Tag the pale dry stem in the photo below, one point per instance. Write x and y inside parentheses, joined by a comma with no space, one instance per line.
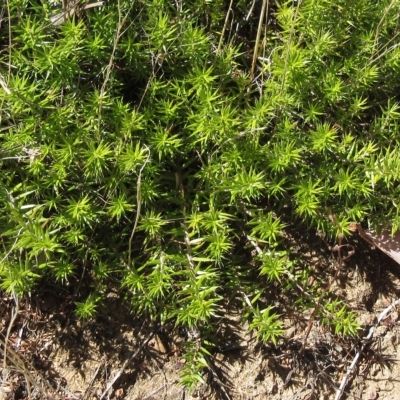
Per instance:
(127,361)
(263,14)
(19,365)
(367,340)
(230,11)
(138,207)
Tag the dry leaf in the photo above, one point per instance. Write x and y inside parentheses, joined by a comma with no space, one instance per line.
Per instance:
(384,240)
(157,344)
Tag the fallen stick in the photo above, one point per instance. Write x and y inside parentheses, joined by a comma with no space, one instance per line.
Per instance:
(382,315)
(119,373)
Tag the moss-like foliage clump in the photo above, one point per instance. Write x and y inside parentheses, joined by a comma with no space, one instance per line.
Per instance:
(150,146)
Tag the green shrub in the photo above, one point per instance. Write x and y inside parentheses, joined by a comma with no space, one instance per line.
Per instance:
(136,147)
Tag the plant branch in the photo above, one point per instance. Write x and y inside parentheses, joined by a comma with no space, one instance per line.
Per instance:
(224,27)
(119,373)
(138,207)
(264,12)
(367,339)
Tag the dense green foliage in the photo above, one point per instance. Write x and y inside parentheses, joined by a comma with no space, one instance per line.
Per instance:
(139,152)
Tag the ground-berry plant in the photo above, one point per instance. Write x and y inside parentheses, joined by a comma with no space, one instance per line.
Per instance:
(154,147)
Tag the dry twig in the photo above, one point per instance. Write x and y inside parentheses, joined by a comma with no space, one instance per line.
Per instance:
(224,27)
(16,360)
(264,13)
(119,373)
(382,315)
(138,206)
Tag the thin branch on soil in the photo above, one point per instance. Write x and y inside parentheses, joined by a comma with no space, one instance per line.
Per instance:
(17,361)
(164,386)
(86,394)
(59,387)
(216,378)
(119,373)
(10,325)
(150,396)
(309,384)
(6,356)
(382,315)
(183,393)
